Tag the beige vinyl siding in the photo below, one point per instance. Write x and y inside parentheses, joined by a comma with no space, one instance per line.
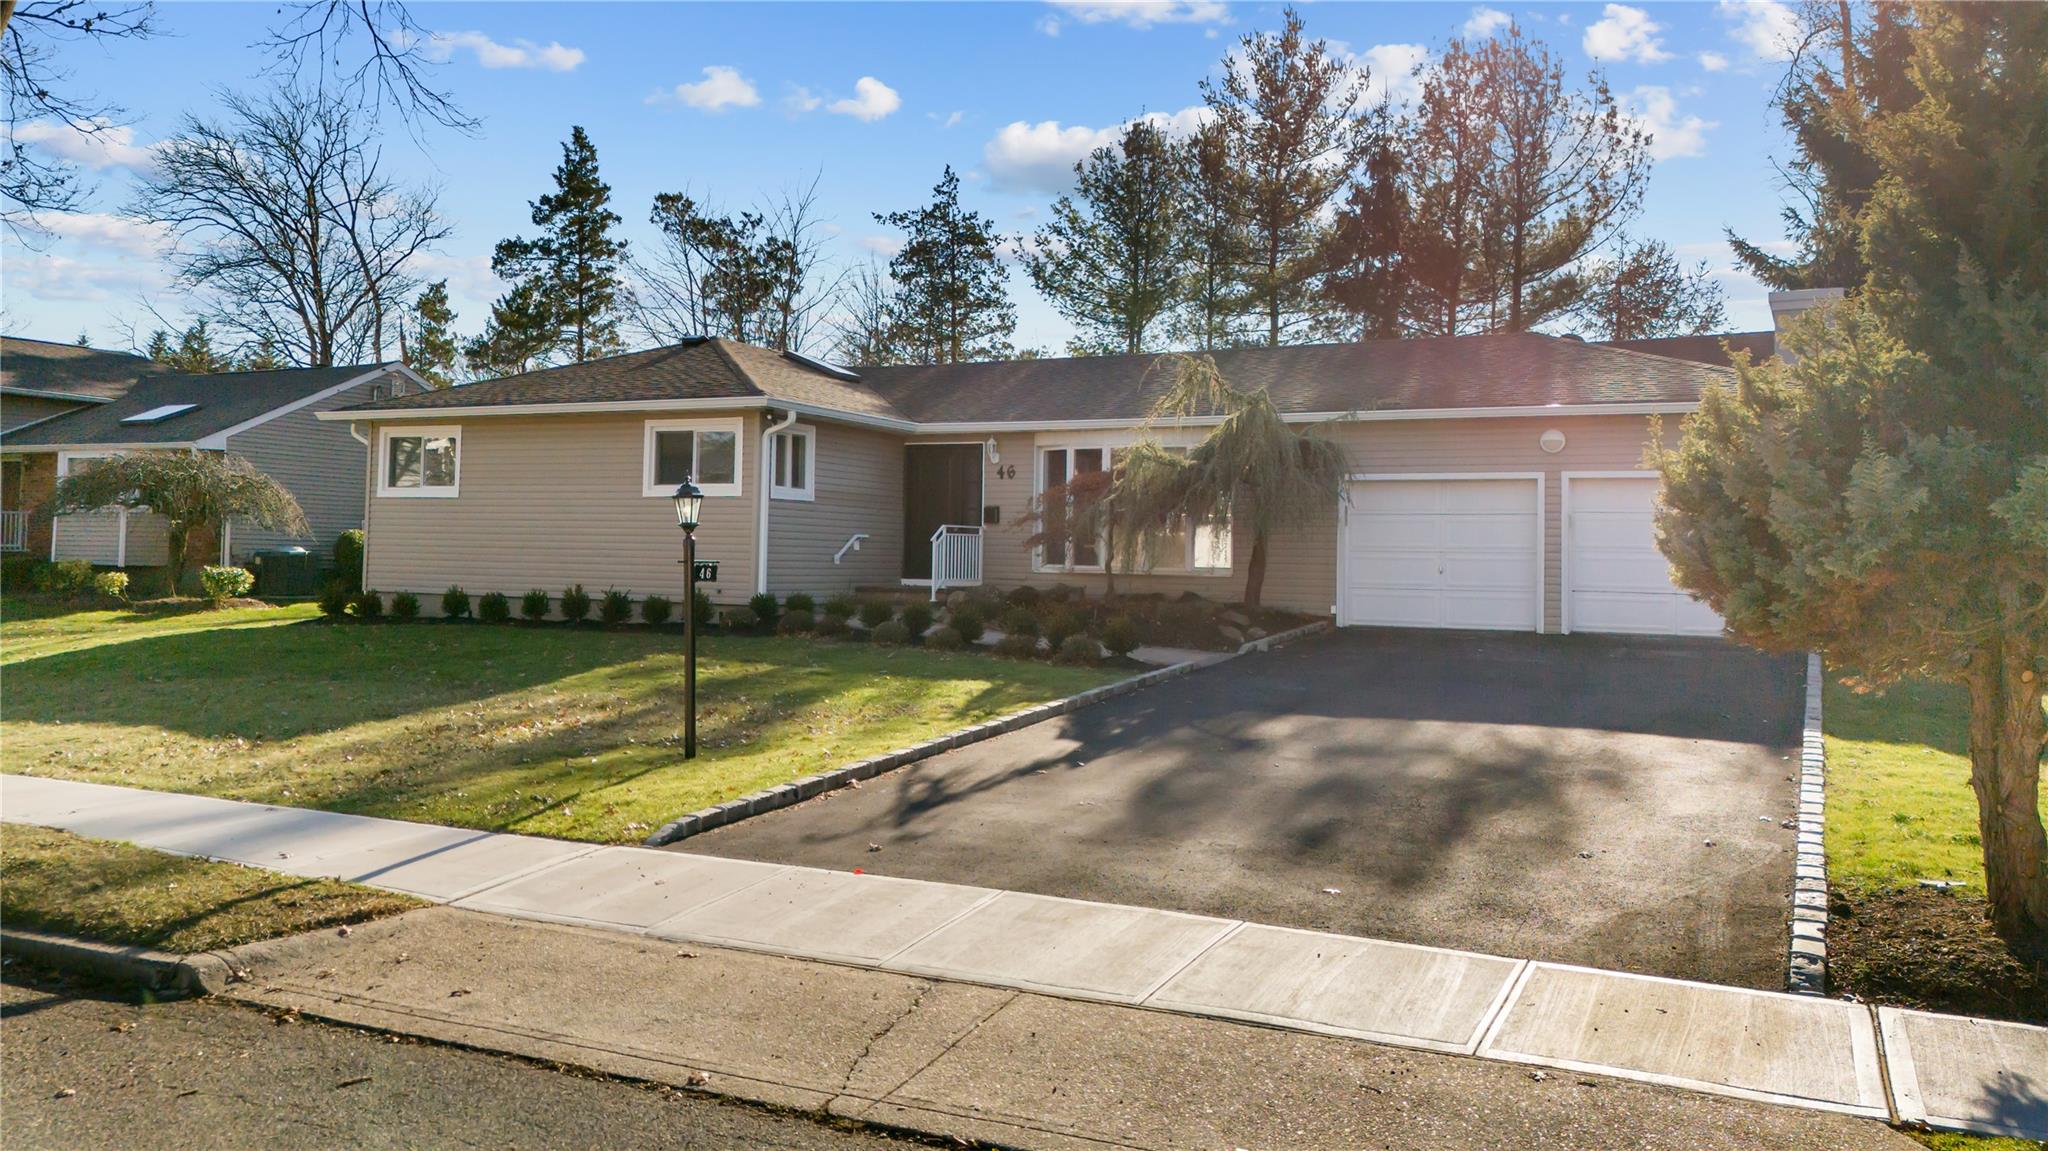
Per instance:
(321,464)
(858,487)
(549,501)
(18,410)
(96,538)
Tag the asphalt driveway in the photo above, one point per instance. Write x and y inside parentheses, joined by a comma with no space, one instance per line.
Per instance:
(1606,801)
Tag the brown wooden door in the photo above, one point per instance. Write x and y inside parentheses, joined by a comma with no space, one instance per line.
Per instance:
(941,485)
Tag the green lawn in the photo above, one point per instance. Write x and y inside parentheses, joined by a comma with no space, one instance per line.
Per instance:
(572,732)
(121,894)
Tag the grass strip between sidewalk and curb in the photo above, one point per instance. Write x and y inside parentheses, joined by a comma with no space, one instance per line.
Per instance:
(116,893)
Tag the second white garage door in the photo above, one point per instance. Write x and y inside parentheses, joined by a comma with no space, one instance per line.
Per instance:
(1452,553)
(1615,578)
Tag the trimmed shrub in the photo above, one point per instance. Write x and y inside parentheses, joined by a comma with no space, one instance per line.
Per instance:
(1024,596)
(876,612)
(65,577)
(917,617)
(334,598)
(655,610)
(348,557)
(1059,624)
(832,626)
(703,610)
(1078,649)
(796,622)
(842,606)
(740,618)
(1017,646)
(455,603)
(616,607)
(113,585)
(575,603)
(945,639)
(221,583)
(494,608)
(405,605)
(1120,636)
(535,603)
(799,601)
(18,571)
(892,633)
(1020,620)
(765,609)
(369,604)
(967,622)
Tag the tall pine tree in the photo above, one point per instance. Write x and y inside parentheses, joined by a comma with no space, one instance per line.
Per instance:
(427,341)
(950,304)
(1209,313)
(1364,278)
(570,271)
(1112,264)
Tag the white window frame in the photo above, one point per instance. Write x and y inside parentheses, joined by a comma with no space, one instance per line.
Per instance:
(1184,566)
(423,492)
(736,425)
(781,491)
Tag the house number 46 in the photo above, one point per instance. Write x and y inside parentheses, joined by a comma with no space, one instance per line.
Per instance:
(1006,471)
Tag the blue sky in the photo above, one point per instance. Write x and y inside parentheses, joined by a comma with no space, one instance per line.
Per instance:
(733,101)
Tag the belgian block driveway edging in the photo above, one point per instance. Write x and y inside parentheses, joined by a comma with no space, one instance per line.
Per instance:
(1806,958)
(811,786)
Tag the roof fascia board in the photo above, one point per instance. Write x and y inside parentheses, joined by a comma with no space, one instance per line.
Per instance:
(219,440)
(164,445)
(725,403)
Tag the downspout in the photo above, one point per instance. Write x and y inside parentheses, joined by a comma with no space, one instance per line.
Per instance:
(369,482)
(767,485)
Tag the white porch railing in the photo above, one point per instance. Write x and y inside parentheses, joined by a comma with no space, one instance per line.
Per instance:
(13,531)
(956,557)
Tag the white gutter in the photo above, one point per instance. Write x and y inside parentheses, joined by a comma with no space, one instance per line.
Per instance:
(369,485)
(714,404)
(767,486)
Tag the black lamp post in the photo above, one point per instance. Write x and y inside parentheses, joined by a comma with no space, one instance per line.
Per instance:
(689,502)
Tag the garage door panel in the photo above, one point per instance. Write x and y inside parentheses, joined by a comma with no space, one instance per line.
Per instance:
(1399,569)
(1479,609)
(1441,553)
(1394,607)
(1398,531)
(1505,571)
(1618,580)
(1465,496)
(1488,531)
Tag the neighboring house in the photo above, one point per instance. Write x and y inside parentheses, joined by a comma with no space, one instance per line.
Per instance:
(1713,349)
(1498,481)
(266,417)
(39,381)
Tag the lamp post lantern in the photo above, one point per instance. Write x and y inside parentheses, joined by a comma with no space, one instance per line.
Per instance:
(689,502)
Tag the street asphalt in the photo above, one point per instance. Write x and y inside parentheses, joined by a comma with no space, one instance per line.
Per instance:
(1607,801)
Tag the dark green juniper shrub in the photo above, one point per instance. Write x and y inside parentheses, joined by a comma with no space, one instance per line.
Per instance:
(455,603)
(535,603)
(575,603)
(405,605)
(968,623)
(493,607)
(876,612)
(655,610)
(616,607)
(917,617)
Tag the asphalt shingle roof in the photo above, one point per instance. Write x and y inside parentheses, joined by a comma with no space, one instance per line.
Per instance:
(220,401)
(1714,349)
(67,369)
(1511,370)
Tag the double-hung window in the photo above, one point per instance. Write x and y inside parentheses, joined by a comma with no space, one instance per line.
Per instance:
(420,462)
(706,452)
(795,463)
(1057,467)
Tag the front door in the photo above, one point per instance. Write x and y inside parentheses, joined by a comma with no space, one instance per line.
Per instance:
(941,485)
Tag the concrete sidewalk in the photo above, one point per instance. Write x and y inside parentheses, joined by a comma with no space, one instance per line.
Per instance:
(1802,1051)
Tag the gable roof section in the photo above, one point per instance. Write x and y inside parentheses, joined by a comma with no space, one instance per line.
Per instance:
(1467,373)
(67,371)
(1710,349)
(219,402)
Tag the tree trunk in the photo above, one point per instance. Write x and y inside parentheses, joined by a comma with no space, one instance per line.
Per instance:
(2007,734)
(175,535)
(1255,572)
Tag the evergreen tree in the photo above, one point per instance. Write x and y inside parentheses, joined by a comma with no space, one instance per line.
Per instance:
(518,337)
(570,272)
(1208,318)
(84,339)
(950,305)
(1643,290)
(193,352)
(1448,146)
(159,347)
(431,349)
(1113,263)
(1364,277)
(262,358)
(1287,108)
(1884,498)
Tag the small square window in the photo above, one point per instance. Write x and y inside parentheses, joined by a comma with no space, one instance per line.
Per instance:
(705,452)
(420,462)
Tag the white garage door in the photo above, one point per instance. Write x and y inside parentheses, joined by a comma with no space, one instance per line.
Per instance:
(1441,553)
(1615,578)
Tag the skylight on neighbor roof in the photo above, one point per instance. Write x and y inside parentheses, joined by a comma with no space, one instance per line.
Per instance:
(158,414)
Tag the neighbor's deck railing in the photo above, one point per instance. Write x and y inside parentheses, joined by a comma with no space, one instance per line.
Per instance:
(956,557)
(13,531)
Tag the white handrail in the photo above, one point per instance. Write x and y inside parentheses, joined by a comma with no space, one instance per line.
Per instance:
(13,531)
(956,557)
(852,544)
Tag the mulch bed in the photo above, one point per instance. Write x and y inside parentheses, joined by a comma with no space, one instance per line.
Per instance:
(1930,949)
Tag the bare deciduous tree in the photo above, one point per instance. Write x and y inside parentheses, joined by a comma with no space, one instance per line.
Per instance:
(759,276)
(371,51)
(34,180)
(286,228)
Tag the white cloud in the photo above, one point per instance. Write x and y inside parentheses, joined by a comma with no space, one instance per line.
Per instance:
(94,257)
(107,145)
(803,100)
(106,230)
(883,246)
(949,120)
(551,57)
(1484,22)
(1624,33)
(1769,28)
(721,88)
(871,101)
(1713,61)
(1041,157)
(1393,70)
(1655,110)
(1138,13)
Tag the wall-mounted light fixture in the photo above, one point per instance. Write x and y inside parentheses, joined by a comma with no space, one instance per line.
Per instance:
(1551,441)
